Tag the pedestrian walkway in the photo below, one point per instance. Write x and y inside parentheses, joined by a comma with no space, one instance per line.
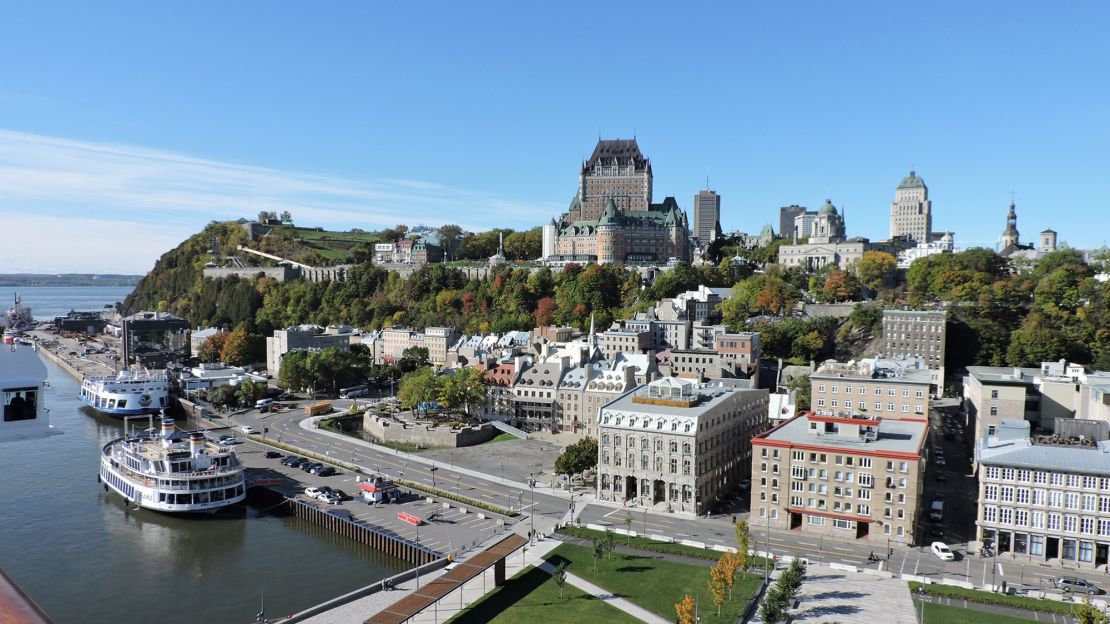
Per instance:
(834,595)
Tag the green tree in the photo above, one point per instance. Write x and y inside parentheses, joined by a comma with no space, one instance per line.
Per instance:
(801,388)
(419,386)
(560,576)
(413,358)
(1086,613)
(876,269)
(462,389)
(249,391)
(294,374)
(577,457)
(599,551)
(773,608)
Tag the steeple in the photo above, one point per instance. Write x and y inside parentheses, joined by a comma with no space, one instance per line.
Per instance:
(1010,235)
(593,337)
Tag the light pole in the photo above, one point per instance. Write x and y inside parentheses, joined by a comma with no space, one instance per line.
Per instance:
(433,470)
(502,464)
(532,508)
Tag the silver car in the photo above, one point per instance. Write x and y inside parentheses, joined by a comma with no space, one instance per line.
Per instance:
(1077,585)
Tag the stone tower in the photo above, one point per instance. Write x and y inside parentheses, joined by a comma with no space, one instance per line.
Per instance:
(911,214)
(1010,234)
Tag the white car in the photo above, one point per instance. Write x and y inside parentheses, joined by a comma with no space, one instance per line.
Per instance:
(943,552)
(312,492)
(247,429)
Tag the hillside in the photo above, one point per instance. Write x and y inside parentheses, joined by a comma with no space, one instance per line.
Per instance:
(317,247)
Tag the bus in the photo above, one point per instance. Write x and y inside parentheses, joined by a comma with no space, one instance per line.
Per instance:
(316,409)
(354,392)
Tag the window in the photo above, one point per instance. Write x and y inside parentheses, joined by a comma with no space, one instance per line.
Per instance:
(994,394)
(674,466)
(994,410)
(990,513)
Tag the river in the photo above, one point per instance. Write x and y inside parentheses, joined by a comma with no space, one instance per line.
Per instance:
(84,556)
(47,302)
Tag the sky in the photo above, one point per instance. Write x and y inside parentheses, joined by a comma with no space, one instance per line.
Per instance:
(127,126)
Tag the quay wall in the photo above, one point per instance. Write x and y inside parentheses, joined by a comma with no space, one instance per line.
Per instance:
(61,362)
(365,534)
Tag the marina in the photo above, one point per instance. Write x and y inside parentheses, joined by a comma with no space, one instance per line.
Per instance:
(105,544)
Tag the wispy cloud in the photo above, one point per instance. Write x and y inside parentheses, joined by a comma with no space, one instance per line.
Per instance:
(77,193)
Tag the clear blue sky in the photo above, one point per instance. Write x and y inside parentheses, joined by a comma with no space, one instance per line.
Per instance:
(126,126)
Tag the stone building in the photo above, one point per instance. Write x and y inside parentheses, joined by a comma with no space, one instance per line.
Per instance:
(651,236)
(617,171)
(707,213)
(677,445)
(826,244)
(391,343)
(917,333)
(841,477)
(911,213)
(787,214)
(1045,500)
(891,388)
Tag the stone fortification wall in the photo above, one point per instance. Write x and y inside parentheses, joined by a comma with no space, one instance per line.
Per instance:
(390,430)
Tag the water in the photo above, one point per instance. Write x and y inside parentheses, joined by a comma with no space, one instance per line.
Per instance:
(47,302)
(83,556)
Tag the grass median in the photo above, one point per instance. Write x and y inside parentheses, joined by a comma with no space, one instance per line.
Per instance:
(656,584)
(990,598)
(945,614)
(650,545)
(533,596)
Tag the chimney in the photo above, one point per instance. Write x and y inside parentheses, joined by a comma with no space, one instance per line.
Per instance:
(196,444)
(167,431)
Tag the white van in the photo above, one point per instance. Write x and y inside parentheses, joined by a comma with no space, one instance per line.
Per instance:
(263,403)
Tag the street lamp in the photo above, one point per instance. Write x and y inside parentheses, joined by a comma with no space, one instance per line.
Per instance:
(502,464)
(433,470)
(532,509)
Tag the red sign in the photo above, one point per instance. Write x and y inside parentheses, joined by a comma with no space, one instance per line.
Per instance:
(411,519)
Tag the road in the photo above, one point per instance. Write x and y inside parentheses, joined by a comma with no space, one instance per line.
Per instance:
(543,507)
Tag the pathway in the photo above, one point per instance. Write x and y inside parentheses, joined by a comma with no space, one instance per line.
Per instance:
(834,595)
(635,611)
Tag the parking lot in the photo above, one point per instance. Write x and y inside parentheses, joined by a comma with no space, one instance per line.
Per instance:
(443,530)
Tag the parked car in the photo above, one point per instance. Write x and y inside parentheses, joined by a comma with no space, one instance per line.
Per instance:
(298,462)
(312,492)
(310,465)
(272,454)
(942,476)
(341,494)
(331,499)
(1077,585)
(942,551)
(325,471)
(949,436)
(940,460)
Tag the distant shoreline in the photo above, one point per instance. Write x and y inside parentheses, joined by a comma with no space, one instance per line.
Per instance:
(30,280)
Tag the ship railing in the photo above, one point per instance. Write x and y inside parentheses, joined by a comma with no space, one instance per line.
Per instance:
(151,479)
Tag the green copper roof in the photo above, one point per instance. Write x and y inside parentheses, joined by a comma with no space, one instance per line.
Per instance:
(912,181)
(767,230)
(828,208)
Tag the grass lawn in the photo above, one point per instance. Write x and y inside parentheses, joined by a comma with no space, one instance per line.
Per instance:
(985,597)
(655,583)
(944,614)
(533,596)
(644,543)
(502,437)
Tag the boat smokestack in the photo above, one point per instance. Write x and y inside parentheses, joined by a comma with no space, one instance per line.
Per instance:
(196,444)
(167,431)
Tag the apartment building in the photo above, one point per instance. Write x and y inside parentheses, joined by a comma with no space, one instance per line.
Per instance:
(743,349)
(306,337)
(917,333)
(677,445)
(841,477)
(393,341)
(623,340)
(1046,499)
(878,387)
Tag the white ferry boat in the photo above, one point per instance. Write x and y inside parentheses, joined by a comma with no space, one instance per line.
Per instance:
(23,415)
(128,393)
(173,472)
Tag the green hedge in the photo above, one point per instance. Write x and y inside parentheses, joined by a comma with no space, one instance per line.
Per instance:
(1002,600)
(458,499)
(650,545)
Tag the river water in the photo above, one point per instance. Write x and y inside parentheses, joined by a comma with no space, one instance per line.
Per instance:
(84,556)
(47,302)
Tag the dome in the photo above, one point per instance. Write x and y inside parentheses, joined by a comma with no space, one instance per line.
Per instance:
(828,208)
(912,181)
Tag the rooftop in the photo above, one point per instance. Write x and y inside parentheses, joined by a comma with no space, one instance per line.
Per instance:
(672,396)
(907,370)
(1093,459)
(883,435)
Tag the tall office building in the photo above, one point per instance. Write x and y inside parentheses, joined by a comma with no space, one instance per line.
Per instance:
(911,214)
(707,212)
(787,214)
(616,170)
